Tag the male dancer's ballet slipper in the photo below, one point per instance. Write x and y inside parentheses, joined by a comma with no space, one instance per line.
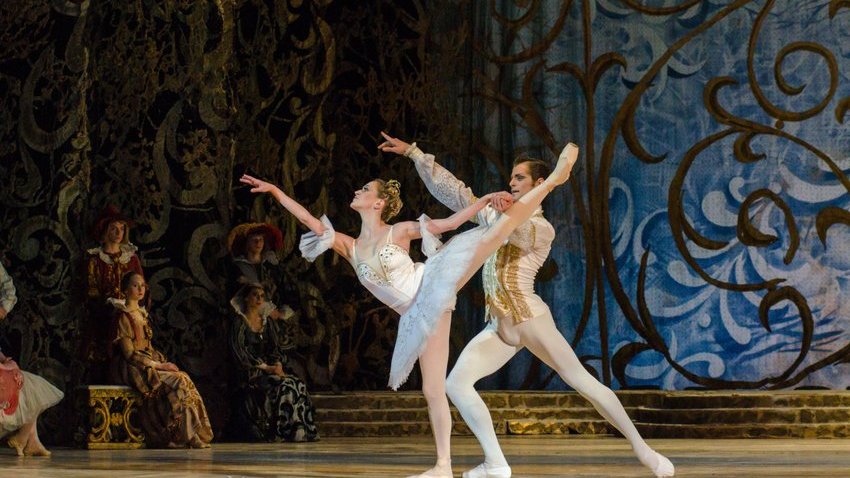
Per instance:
(664,468)
(17,445)
(485,471)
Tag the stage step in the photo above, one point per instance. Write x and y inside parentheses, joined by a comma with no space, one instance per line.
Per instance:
(696,416)
(493,399)
(657,414)
(421,414)
(750,430)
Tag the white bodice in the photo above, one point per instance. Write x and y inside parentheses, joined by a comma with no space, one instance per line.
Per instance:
(391,275)
(420,293)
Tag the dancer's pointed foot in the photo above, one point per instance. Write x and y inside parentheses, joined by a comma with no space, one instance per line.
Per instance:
(488,471)
(196,442)
(564,167)
(439,471)
(15,443)
(658,463)
(663,467)
(36,450)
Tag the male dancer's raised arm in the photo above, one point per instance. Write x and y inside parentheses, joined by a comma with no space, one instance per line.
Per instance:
(441,183)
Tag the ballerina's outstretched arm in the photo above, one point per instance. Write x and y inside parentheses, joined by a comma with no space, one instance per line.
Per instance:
(342,242)
(412,229)
(439,226)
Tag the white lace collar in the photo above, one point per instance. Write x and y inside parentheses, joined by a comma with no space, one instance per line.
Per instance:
(121,305)
(239,307)
(127,252)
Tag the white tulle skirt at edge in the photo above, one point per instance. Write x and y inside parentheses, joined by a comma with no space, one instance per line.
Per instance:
(36,396)
(444,272)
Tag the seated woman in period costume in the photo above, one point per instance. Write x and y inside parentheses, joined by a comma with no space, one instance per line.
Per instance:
(23,396)
(172,412)
(273,404)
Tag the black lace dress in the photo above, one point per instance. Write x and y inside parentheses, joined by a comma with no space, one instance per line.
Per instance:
(268,407)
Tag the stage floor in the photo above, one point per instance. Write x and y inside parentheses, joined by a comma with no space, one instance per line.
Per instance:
(530,456)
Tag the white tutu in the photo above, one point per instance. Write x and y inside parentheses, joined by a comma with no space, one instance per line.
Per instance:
(36,396)
(420,302)
(445,273)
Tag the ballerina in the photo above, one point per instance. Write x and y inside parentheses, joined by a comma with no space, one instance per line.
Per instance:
(23,395)
(424,294)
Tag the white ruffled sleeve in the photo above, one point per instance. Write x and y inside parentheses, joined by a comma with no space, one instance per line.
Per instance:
(430,243)
(313,245)
(442,184)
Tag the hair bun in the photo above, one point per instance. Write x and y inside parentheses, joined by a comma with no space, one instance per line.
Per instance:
(391,193)
(394,185)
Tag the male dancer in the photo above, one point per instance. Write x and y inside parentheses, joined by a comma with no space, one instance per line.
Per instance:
(517,317)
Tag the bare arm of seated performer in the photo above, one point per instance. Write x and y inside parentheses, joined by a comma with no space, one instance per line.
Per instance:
(276,369)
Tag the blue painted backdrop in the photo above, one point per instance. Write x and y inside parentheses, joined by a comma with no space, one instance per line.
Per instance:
(704,242)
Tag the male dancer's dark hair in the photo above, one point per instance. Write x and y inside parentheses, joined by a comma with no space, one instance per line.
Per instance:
(537,167)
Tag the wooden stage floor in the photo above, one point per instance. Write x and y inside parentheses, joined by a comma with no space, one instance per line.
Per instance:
(530,456)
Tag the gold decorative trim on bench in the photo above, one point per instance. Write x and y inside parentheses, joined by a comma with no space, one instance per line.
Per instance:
(109,417)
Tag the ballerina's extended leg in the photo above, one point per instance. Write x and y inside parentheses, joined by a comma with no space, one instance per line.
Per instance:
(522,209)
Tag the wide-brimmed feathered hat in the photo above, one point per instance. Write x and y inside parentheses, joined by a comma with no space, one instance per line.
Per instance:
(109,215)
(239,234)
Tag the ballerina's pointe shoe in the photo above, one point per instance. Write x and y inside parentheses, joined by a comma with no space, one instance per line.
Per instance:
(664,468)
(564,167)
(37,450)
(436,472)
(196,442)
(486,471)
(16,445)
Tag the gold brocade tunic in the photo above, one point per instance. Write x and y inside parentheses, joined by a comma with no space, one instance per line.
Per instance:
(509,273)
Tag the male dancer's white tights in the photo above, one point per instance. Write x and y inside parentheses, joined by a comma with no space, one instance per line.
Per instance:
(487,353)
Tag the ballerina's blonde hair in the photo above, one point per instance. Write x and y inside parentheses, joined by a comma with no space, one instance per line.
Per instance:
(390,192)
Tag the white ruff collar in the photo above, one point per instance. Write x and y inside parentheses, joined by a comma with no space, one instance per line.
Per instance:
(121,305)
(127,253)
